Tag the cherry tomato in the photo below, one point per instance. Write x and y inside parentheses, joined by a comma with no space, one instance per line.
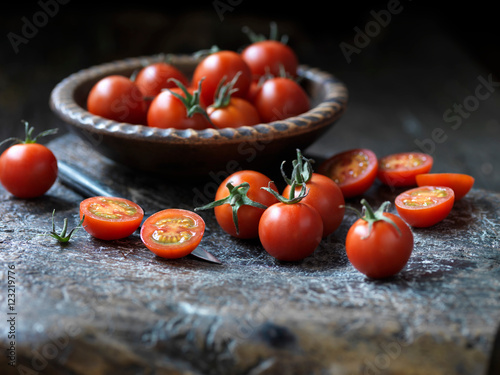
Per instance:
(379,244)
(170,111)
(213,68)
(172,233)
(426,205)
(326,197)
(28,169)
(270,57)
(117,98)
(459,182)
(245,197)
(110,218)
(400,169)
(290,231)
(152,79)
(354,171)
(280,98)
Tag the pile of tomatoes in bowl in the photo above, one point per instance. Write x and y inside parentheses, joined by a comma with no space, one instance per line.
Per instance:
(227,89)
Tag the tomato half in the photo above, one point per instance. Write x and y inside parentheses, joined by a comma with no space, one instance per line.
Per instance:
(426,205)
(172,233)
(354,171)
(110,218)
(326,197)
(382,249)
(290,232)
(401,169)
(459,182)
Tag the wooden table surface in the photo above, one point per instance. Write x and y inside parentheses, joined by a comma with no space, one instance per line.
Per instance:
(96,307)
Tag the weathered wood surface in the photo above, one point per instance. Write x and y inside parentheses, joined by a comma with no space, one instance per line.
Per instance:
(97,307)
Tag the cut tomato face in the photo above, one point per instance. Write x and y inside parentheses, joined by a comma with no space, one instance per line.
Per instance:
(110,218)
(460,183)
(426,205)
(354,171)
(172,233)
(400,169)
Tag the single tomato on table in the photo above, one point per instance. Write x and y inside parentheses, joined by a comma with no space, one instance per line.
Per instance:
(379,244)
(28,169)
(110,218)
(354,171)
(401,169)
(118,98)
(290,230)
(240,202)
(460,183)
(426,205)
(323,193)
(173,233)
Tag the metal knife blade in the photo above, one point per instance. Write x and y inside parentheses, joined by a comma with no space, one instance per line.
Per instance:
(80,182)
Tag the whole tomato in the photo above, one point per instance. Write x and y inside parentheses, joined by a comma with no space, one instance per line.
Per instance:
(280,98)
(379,244)
(118,98)
(290,230)
(155,77)
(218,65)
(28,169)
(240,202)
(322,193)
(179,108)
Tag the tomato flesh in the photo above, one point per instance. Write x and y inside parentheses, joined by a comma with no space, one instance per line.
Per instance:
(354,171)
(110,218)
(425,206)
(459,182)
(172,233)
(401,169)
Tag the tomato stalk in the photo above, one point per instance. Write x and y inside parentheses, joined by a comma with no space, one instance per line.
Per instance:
(273,34)
(293,199)
(62,237)
(370,216)
(29,135)
(236,199)
(302,170)
(224,91)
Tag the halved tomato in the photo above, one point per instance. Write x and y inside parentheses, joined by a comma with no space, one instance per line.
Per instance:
(110,218)
(173,233)
(354,171)
(400,169)
(426,205)
(459,182)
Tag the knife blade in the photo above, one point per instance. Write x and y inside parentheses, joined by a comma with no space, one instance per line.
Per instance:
(80,182)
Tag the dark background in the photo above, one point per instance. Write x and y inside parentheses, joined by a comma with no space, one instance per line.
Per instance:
(426,59)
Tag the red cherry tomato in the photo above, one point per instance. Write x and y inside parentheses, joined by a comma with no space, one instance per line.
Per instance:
(280,98)
(152,79)
(377,247)
(28,169)
(216,66)
(290,232)
(110,218)
(234,113)
(459,182)
(168,111)
(172,233)
(354,171)
(117,98)
(270,57)
(326,197)
(426,205)
(248,215)
(400,169)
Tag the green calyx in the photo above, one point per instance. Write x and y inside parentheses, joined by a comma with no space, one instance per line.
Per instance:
(225,91)
(293,199)
(370,216)
(302,170)
(238,197)
(63,237)
(273,34)
(29,138)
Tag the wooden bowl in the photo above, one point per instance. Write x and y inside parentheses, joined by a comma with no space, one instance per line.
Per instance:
(173,152)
